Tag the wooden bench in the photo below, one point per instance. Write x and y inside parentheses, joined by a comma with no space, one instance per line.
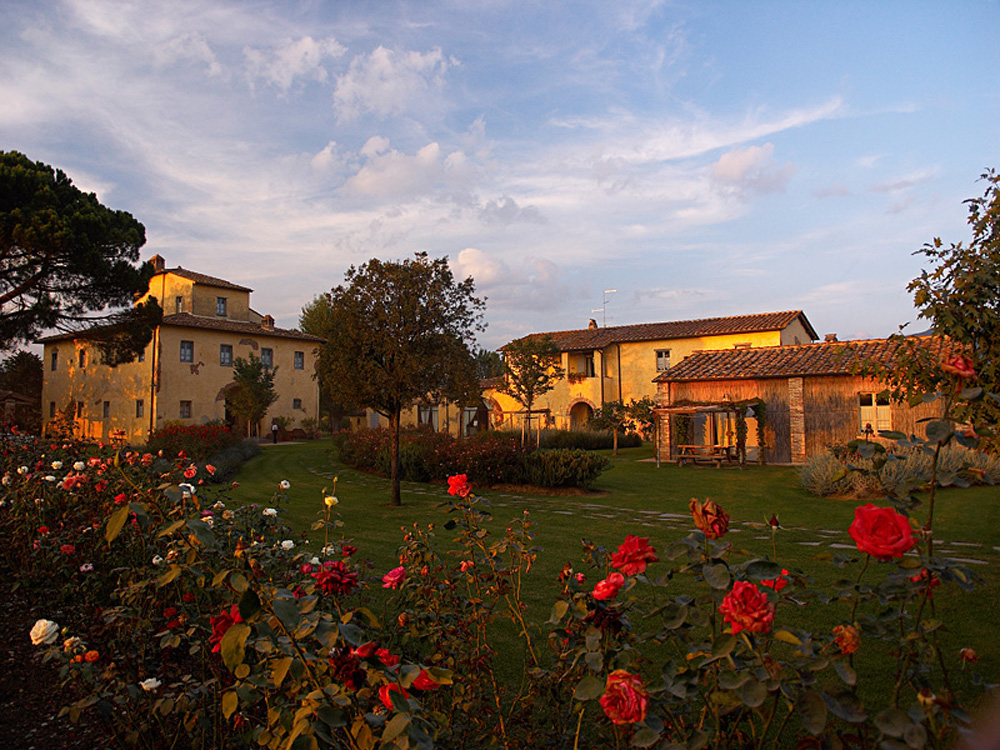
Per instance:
(705,454)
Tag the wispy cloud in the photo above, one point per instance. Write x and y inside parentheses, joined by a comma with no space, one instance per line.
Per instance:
(386,82)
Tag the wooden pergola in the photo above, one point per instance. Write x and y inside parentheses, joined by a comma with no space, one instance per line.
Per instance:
(718,448)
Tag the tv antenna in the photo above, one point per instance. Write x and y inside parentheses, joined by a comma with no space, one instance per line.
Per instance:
(603,309)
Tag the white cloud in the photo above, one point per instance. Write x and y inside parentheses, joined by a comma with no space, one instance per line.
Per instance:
(294,58)
(387,82)
(506,211)
(752,171)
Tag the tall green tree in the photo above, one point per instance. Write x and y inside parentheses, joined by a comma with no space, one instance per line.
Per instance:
(254,391)
(22,374)
(316,318)
(401,333)
(68,262)
(532,367)
(489,364)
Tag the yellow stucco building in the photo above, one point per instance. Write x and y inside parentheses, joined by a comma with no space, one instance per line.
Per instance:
(185,372)
(618,363)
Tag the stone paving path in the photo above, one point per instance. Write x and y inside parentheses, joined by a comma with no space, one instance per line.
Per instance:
(830,538)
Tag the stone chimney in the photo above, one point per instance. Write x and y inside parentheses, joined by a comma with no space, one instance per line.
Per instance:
(592,325)
(267,322)
(159,264)
(830,338)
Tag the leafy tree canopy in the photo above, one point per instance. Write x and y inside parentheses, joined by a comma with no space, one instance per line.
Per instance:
(398,335)
(254,392)
(489,364)
(531,369)
(22,373)
(316,318)
(67,261)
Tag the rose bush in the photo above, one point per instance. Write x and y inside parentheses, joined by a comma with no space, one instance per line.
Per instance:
(198,626)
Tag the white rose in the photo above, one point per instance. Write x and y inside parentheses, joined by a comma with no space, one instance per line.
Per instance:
(151,684)
(22,470)
(330,501)
(79,466)
(44,631)
(270,512)
(315,560)
(288,544)
(6,479)
(285,484)
(219,505)
(186,489)
(50,478)
(157,559)
(210,521)
(57,465)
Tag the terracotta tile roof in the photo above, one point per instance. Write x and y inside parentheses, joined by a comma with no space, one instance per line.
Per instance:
(597,338)
(187,320)
(833,358)
(201,278)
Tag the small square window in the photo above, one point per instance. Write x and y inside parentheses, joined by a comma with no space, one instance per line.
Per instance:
(187,351)
(226,355)
(267,357)
(296,403)
(185,410)
(299,361)
(54,359)
(220,306)
(82,358)
(140,408)
(179,305)
(141,357)
(106,409)
(52,409)
(662,360)
(79,408)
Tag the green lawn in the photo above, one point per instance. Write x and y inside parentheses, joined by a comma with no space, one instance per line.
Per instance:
(636,497)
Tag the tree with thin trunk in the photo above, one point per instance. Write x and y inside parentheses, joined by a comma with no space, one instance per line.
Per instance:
(531,369)
(399,334)
(254,391)
(613,417)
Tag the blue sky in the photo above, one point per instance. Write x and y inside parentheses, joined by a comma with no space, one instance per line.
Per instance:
(702,158)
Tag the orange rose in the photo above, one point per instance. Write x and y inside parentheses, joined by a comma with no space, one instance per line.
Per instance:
(712,520)
(625,698)
(633,555)
(746,607)
(91,657)
(848,639)
(881,532)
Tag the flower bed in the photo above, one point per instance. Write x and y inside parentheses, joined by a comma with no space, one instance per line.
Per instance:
(201,618)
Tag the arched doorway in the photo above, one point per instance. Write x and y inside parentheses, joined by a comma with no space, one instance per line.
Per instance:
(579,415)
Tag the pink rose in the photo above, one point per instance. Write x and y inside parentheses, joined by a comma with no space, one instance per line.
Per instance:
(394,578)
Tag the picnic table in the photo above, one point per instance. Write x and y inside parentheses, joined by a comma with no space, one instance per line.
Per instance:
(706,454)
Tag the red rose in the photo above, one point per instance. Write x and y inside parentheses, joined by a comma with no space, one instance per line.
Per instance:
(424,682)
(746,607)
(712,520)
(188,597)
(459,485)
(120,498)
(335,578)
(221,623)
(388,659)
(625,698)
(776,583)
(68,549)
(881,532)
(365,650)
(633,555)
(930,580)
(609,587)
(384,694)
(968,655)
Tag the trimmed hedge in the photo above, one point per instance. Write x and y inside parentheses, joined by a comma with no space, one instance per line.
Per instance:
(198,442)
(490,458)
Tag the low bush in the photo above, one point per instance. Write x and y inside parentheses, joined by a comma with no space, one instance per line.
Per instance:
(227,461)
(197,442)
(488,459)
(563,467)
(843,473)
(587,440)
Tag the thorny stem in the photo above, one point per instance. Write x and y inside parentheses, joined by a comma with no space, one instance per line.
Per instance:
(857,587)
(579,726)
